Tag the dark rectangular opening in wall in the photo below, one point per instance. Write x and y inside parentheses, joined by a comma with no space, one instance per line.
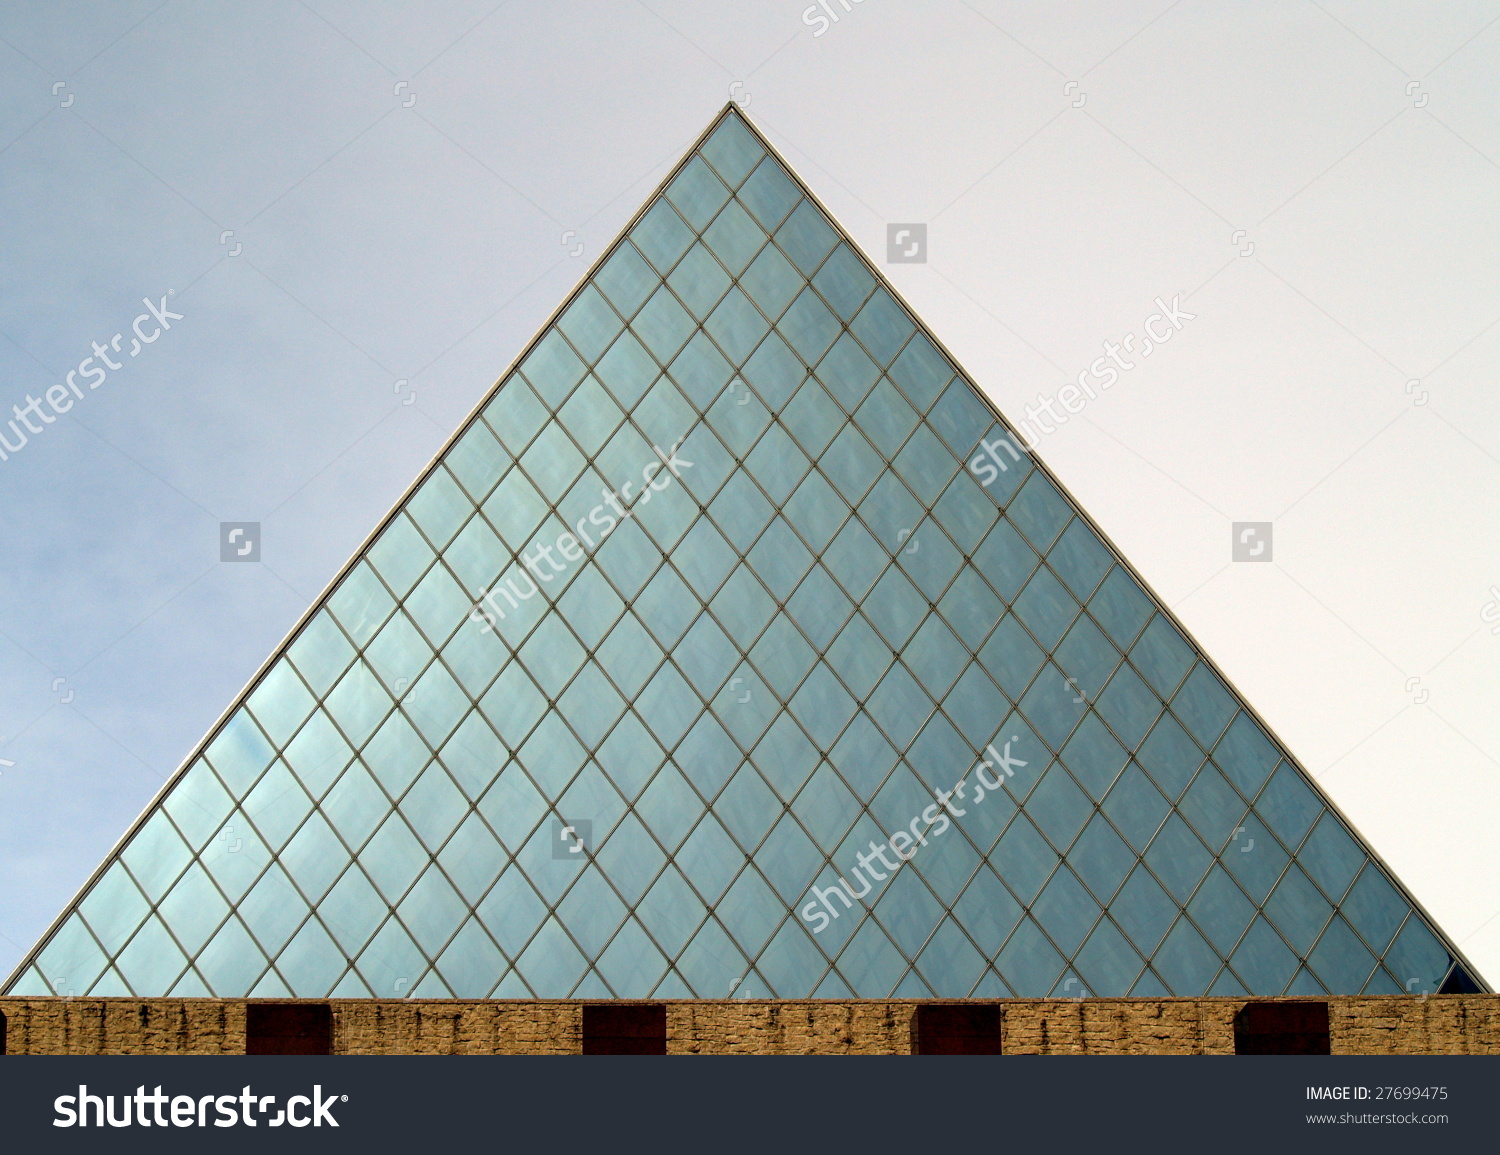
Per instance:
(624,1029)
(2,1032)
(1281,1029)
(288,1029)
(956,1029)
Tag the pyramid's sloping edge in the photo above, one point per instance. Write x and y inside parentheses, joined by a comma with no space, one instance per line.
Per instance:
(730,110)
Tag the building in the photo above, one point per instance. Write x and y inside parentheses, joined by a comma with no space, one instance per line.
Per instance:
(736,648)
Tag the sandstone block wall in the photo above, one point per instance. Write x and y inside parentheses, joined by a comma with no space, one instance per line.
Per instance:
(1377,1025)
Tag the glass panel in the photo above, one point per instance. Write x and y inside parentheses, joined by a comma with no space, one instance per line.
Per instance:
(392,965)
(1263,961)
(355,805)
(156,856)
(590,416)
(1129,706)
(591,706)
(439,507)
(817,511)
(472,963)
(1297,910)
(432,911)
(1107,963)
(1332,857)
(1026,859)
(1417,959)
(590,325)
(925,465)
(769,193)
(1170,756)
(737,326)
(72,960)
(240,752)
(1288,805)
(1136,807)
(1143,909)
(662,236)
(734,237)
(771,281)
(697,193)
(515,415)
(1163,655)
(114,908)
(1340,960)
(1178,858)
(1066,911)
(1221,911)
(1053,706)
(400,556)
(198,804)
(626,279)
(848,373)
(1204,705)
(627,370)
(321,652)
(921,371)
(317,754)
(961,419)
(358,703)
(1374,907)
(775,371)
(277,805)
(663,325)
(844,282)
(1011,657)
(314,857)
(1246,755)
(352,910)
(1185,961)
(806,237)
(231,962)
(280,702)
(811,328)
(1120,606)
(732,150)
(152,961)
(701,371)
(1213,808)
(1029,963)
(1101,859)
(704,558)
(1060,808)
(1094,756)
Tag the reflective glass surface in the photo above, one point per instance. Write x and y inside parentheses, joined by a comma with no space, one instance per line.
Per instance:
(704,663)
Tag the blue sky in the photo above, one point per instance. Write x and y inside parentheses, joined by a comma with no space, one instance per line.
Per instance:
(405,186)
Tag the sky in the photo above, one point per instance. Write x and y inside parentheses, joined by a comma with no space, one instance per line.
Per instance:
(355,215)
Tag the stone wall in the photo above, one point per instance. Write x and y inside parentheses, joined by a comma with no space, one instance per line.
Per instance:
(1393,1024)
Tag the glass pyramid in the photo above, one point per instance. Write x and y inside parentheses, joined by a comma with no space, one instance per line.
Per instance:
(703,662)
